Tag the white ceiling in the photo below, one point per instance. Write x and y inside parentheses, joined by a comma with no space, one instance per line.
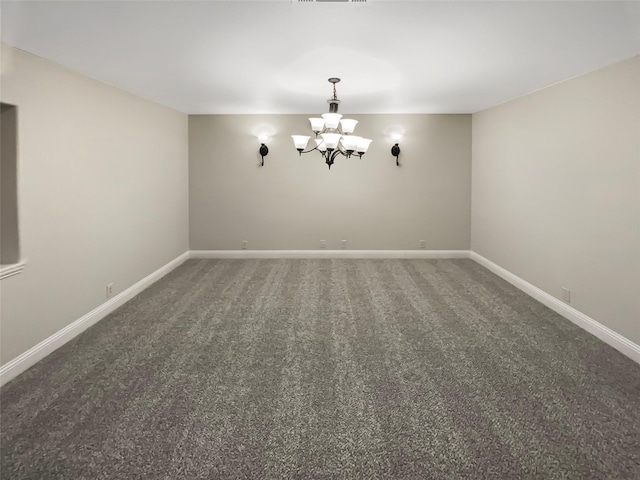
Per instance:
(275,56)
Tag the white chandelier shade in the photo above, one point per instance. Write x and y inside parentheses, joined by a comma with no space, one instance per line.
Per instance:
(317,124)
(300,141)
(351,142)
(363,145)
(331,120)
(331,140)
(348,125)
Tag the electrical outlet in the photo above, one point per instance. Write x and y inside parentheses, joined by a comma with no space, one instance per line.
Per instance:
(566,295)
(343,243)
(245,244)
(423,244)
(323,244)
(110,290)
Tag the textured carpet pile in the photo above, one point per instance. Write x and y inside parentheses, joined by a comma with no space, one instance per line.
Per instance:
(332,369)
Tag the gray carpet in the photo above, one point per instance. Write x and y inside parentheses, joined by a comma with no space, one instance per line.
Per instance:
(334,369)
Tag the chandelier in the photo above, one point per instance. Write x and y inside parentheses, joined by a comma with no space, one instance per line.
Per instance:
(334,135)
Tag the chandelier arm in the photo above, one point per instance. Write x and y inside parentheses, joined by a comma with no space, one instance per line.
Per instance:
(335,153)
(310,150)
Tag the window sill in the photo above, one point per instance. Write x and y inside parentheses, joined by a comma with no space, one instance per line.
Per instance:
(11,269)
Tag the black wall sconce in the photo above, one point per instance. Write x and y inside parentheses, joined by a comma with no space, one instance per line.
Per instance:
(395,150)
(264,150)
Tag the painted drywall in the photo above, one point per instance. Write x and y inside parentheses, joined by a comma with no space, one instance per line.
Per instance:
(295,201)
(556,192)
(102,193)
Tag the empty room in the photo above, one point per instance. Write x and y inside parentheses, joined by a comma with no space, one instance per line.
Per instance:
(320,239)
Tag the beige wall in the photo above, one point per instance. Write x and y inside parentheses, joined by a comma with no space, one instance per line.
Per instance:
(293,202)
(556,192)
(103,179)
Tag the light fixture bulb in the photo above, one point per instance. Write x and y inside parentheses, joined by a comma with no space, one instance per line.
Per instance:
(396,137)
(263,138)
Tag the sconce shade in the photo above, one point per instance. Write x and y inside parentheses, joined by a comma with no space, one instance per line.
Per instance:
(350,142)
(331,140)
(348,125)
(363,144)
(320,144)
(300,141)
(317,124)
(331,120)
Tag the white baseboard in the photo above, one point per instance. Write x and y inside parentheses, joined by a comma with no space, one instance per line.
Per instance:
(29,358)
(617,341)
(201,254)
